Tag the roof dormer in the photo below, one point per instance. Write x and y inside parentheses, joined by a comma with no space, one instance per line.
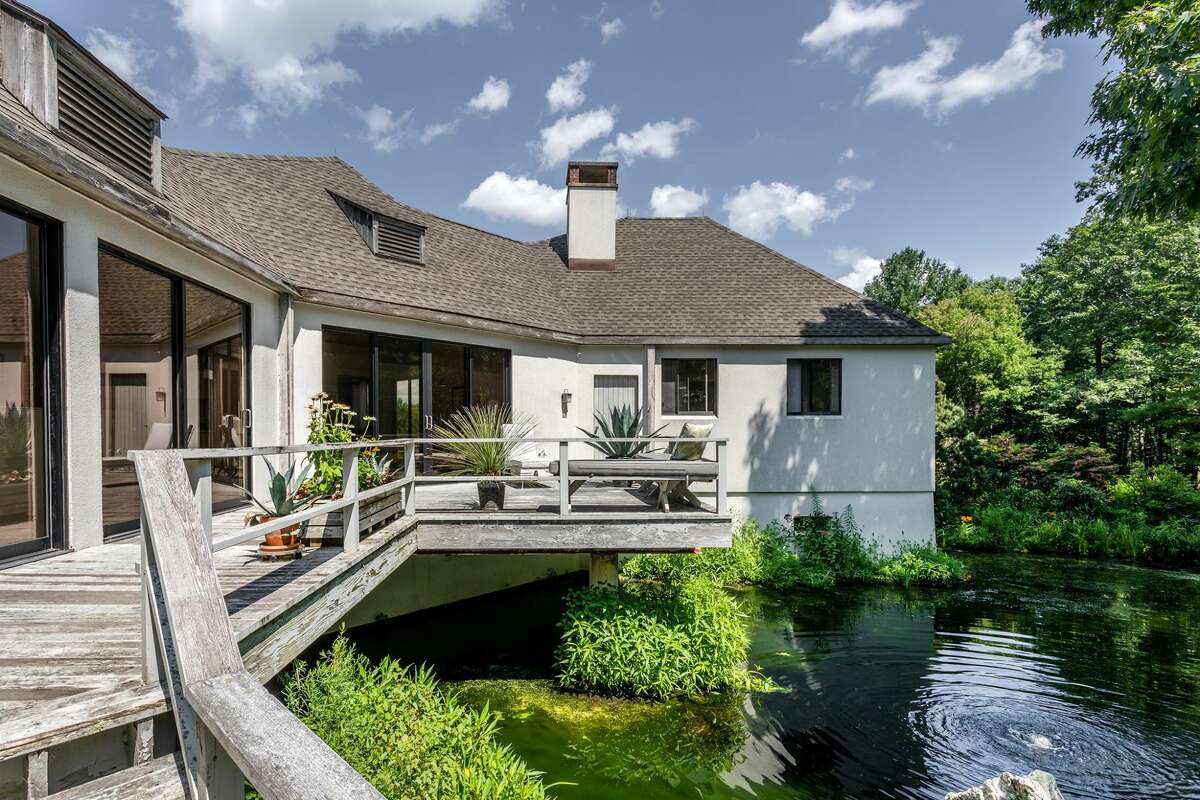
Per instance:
(75,94)
(386,236)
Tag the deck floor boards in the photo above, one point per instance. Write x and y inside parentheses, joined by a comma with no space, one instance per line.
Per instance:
(70,625)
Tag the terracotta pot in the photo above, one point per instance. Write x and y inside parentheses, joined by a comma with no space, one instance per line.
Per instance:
(492,493)
(281,542)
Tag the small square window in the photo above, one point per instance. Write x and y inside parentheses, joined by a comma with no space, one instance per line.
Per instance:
(689,386)
(814,386)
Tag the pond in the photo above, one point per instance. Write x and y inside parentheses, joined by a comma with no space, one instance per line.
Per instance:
(1090,671)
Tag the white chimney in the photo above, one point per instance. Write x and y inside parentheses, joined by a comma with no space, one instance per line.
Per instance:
(592,215)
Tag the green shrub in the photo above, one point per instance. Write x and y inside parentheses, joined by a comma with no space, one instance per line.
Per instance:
(401,732)
(919,566)
(654,640)
(1161,493)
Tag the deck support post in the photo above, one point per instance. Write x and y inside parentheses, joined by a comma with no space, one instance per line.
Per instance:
(200,477)
(139,741)
(722,477)
(350,492)
(564,480)
(410,475)
(603,570)
(37,775)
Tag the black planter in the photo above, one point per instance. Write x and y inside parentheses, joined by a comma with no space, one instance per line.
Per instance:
(491,493)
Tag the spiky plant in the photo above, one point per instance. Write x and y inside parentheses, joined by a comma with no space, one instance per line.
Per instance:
(623,423)
(480,422)
(284,487)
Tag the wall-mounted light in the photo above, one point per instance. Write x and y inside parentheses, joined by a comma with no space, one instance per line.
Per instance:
(566,397)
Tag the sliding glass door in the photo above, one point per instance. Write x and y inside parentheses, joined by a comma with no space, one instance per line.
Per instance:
(29,438)
(172,369)
(409,385)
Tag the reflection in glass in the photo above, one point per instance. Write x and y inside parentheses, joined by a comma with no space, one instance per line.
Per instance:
(22,416)
(449,380)
(400,387)
(488,379)
(136,392)
(346,370)
(215,384)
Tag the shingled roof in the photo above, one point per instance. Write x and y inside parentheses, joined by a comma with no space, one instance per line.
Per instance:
(676,280)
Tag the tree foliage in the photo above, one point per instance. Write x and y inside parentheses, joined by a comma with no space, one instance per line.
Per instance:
(909,280)
(1146,110)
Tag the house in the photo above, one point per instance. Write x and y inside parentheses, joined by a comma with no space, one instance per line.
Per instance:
(153,296)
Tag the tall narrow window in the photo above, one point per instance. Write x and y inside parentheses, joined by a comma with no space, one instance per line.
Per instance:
(25,417)
(346,369)
(689,386)
(814,386)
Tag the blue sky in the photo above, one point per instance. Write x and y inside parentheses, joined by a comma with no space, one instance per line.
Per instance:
(837,131)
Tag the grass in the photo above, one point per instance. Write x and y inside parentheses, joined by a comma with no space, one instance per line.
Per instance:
(1004,528)
(814,552)
(403,733)
(654,641)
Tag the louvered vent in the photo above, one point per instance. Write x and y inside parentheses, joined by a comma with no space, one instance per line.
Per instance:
(89,114)
(396,239)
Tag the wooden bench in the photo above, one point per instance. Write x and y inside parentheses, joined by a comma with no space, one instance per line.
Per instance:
(672,476)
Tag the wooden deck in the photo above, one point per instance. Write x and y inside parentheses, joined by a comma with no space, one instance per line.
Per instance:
(70,625)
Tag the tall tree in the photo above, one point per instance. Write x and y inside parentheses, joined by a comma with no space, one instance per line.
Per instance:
(909,280)
(1147,110)
(1121,299)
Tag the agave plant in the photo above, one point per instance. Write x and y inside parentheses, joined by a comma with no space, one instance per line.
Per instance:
(286,497)
(480,422)
(623,423)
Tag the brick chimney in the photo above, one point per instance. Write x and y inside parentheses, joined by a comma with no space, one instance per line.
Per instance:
(592,215)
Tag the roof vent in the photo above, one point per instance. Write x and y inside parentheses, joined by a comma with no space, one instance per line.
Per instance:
(386,236)
(90,115)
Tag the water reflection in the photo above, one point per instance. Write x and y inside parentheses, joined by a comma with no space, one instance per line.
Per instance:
(1088,671)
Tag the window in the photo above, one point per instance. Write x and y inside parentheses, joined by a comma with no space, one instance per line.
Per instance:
(689,386)
(814,386)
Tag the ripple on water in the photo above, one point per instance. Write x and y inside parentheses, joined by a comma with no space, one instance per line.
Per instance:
(989,704)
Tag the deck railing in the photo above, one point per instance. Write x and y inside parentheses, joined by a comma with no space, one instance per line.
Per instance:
(227,723)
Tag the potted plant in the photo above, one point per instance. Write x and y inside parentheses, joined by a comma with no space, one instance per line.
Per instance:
(286,498)
(481,459)
(622,423)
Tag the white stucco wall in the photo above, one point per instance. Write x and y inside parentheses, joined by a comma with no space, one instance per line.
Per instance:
(85,224)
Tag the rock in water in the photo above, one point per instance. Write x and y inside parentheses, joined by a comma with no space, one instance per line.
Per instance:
(1037,785)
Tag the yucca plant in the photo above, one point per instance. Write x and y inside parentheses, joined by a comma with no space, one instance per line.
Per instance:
(477,458)
(623,423)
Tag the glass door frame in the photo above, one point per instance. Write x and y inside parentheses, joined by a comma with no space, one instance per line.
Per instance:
(46,361)
(426,377)
(178,327)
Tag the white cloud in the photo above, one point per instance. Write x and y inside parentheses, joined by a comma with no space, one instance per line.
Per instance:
(121,55)
(920,83)
(248,116)
(611,30)
(494,96)
(852,184)
(760,208)
(283,49)
(568,134)
(657,9)
(657,139)
(847,154)
(861,267)
(437,130)
(567,90)
(677,201)
(384,131)
(849,19)
(522,199)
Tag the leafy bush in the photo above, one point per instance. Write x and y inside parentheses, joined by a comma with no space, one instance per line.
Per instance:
(817,551)
(920,566)
(1161,493)
(401,732)
(654,640)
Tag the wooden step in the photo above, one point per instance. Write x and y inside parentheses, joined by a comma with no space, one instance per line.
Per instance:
(159,779)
